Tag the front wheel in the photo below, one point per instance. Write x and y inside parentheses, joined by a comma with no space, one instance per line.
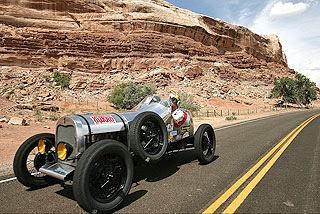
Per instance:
(205,143)
(28,160)
(103,176)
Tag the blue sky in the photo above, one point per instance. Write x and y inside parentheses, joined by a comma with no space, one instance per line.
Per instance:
(296,22)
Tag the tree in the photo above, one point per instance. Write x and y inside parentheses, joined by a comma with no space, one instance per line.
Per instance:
(285,88)
(305,92)
(298,91)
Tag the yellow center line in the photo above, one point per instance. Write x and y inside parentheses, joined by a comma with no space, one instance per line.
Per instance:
(247,190)
(213,207)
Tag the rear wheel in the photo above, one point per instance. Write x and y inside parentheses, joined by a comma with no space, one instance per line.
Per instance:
(148,136)
(103,176)
(28,161)
(205,143)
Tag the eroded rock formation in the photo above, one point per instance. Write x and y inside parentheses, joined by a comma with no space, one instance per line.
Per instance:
(129,40)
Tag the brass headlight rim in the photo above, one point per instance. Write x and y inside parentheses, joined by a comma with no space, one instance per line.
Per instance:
(64,150)
(62,156)
(42,146)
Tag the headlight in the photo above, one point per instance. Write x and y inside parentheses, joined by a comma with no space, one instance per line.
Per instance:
(64,150)
(41,146)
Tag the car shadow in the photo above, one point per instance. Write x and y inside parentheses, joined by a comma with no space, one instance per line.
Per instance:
(67,192)
(167,167)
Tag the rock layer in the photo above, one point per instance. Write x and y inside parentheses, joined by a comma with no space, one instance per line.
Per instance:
(59,33)
(136,40)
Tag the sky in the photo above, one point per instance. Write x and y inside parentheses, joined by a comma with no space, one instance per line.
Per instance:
(296,22)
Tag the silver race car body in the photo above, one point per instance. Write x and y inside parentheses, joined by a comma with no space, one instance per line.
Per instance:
(97,152)
(81,131)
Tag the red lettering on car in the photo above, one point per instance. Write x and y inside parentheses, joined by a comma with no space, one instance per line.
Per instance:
(103,119)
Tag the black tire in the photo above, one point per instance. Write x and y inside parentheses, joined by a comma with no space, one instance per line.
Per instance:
(105,169)
(205,143)
(149,143)
(24,168)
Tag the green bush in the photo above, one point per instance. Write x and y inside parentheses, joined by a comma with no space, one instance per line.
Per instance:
(61,79)
(46,78)
(233,117)
(117,95)
(128,95)
(187,102)
(4,90)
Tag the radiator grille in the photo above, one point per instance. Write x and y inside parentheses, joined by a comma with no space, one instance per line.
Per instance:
(67,134)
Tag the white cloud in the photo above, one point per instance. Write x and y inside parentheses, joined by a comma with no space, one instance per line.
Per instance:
(287,9)
(299,35)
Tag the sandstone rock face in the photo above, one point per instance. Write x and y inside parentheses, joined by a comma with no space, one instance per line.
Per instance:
(104,42)
(103,34)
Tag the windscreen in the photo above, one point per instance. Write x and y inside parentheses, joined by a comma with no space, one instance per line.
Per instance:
(151,99)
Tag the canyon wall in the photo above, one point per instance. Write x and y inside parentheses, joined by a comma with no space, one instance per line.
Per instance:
(138,40)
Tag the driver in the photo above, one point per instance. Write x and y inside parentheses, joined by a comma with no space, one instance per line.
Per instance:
(174,101)
(178,115)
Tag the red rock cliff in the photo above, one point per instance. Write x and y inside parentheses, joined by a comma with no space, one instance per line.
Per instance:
(55,33)
(134,37)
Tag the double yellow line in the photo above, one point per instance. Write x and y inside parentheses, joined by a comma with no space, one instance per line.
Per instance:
(246,191)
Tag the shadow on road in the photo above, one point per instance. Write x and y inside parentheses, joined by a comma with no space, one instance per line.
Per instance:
(67,192)
(165,168)
(150,173)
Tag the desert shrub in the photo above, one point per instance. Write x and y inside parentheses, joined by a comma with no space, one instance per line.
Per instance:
(46,78)
(117,95)
(233,117)
(54,115)
(61,79)
(187,102)
(128,95)
(4,90)
(38,115)
(71,112)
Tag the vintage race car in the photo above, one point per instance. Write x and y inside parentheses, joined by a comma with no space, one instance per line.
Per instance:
(98,152)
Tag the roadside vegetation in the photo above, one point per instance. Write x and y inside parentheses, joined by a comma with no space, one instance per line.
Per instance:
(295,91)
(128,95)
(125,96)
(187,102)
(61,79)
(233,117)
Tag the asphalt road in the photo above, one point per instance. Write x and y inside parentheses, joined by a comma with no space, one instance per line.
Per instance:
(178,184)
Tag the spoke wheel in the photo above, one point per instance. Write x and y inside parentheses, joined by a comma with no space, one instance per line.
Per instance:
(103,176)
(148,136)
(28,161)
(107,177)
(151,137)
(205,143)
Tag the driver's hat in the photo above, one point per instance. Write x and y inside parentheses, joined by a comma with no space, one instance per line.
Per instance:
(175,98)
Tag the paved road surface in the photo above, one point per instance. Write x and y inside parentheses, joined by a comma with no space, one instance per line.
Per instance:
(179,184)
